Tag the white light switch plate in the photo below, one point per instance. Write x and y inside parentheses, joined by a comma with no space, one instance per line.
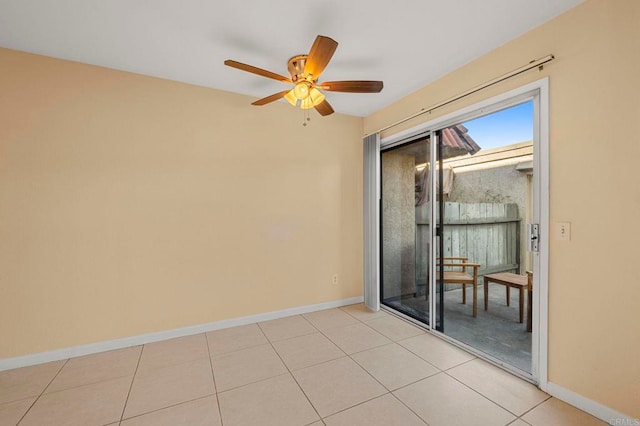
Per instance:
(563,231)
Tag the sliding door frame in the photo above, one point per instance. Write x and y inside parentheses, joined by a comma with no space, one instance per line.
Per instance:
(538,91)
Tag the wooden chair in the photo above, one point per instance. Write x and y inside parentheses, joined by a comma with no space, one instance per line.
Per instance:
(460,271)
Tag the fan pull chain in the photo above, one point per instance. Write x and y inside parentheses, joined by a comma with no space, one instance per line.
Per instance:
(306,117)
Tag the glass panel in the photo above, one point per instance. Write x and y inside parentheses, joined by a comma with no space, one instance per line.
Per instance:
(405,228)
(484,200)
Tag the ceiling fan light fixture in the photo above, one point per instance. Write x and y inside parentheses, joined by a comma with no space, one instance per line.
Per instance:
(305,71)
(316,96)
(291,98)
(314,99)
(306,104)
(301,90)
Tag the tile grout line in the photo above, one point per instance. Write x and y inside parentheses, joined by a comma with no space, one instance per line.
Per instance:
(356,405)
(334,344)
(409,408)
(363,350)
(534,407)
(213,376)
(394,341)
(43,390)
(252,383)
(411,383)
(291,373)
(228,353)
(14,401)
(293,337)
(86,384)
(370,375)
(466,362)
(433,365)
(126,401)
(478,392)
(371,348)
(163,408)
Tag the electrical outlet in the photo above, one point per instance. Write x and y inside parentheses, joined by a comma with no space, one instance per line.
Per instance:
(334,279)
(563,231)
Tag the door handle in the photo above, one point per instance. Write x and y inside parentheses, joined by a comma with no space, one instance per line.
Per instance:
(533,233)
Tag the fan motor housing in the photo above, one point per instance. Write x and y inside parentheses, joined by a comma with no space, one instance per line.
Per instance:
(296,67)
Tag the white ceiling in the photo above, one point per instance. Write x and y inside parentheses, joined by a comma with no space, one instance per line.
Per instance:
(405,43)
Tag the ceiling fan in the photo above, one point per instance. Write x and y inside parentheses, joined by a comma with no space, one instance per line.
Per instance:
(305,70)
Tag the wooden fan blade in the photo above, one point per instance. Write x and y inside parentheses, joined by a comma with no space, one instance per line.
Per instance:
(256,70)
(355,86)
(324,108)
(271,98)
(319,55)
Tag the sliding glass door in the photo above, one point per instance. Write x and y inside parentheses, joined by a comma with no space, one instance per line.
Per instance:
(454,205)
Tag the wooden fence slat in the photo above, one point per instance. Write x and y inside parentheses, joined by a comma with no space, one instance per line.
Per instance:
(499,235)
(462,233)
(473,210)
(491,252)
(455,230)
(446,231)
(481,241)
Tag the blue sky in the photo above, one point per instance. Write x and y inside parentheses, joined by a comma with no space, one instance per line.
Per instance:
(504,127)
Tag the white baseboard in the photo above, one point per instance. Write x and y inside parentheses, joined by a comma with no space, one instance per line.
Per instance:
(604,413)
(92,348)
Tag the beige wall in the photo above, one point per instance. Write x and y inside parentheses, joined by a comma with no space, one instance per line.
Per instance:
(594,296)
(130,204)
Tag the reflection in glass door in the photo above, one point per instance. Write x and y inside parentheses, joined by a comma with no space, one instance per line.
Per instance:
(405,233)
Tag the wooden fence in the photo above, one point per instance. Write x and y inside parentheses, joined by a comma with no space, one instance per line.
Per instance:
(486,233)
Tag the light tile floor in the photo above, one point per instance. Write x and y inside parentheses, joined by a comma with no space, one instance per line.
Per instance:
(345,366)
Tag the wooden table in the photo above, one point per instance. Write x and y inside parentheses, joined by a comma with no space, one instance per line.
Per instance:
(508,280)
